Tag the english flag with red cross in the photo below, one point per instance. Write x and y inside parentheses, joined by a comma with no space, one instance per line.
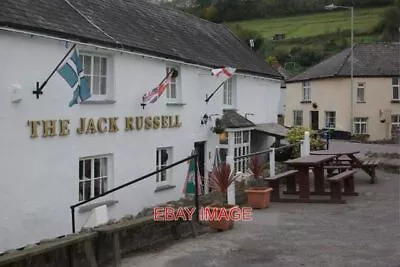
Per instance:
(225,72)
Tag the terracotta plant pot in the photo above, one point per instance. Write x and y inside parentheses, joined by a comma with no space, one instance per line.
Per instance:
(259,197)
(221,223)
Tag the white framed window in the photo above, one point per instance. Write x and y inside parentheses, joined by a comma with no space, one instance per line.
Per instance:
(241,148)
(360,125)
(330,119)
(297,118)
(94,176)
(307,91)
(395,120)
(396,88)
(228,92)
(163,159)
(97,69)
(173,92)
(361,92)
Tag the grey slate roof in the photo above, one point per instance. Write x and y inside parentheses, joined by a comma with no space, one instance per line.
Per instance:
(370,60)
(232,119)
(138,26)
(273,129)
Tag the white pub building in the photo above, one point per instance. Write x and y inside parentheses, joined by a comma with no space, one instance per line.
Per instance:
(53,155)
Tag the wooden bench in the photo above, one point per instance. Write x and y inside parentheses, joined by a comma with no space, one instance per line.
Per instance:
(274,182)
(335,183)
(340,168)
(370,165)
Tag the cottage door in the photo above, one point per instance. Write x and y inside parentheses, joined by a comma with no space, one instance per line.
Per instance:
(314,120)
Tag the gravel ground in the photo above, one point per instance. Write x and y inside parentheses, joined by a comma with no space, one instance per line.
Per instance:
(363,232)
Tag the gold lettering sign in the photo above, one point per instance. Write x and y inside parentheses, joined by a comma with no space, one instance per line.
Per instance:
(90,126)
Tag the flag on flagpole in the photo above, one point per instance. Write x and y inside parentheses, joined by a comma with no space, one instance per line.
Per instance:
(153,95)
(72,72)
(225,72)
(190,186)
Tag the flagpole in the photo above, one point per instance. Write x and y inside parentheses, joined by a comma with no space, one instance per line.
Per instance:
(213,93)
(39,89)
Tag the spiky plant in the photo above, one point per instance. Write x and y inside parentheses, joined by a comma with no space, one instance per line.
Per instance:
(256,167)
(220,180)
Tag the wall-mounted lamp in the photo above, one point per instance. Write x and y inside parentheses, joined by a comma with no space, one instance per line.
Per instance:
(248,114)
(206,118)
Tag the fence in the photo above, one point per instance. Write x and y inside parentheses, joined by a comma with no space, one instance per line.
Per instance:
(196,199)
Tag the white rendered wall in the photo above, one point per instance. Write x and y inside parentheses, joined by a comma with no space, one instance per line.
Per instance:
(39,178)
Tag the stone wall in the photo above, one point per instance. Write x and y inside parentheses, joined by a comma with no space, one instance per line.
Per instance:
(96,247)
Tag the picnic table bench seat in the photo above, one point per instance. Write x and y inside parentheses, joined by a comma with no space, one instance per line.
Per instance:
(335,183)
(273,182)
(371,164)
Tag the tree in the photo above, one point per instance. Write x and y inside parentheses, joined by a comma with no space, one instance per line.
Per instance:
(390,23)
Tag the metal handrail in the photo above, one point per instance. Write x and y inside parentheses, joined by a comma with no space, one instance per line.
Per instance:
(193,156)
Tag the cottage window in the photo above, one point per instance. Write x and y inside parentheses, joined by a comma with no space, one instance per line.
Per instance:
(163,159)
(228,92)
(307,91)
(93,176)
(173,88)
(361,92)
(396,88)
(395,120)
(241,148)
(97,70)
(330,119)
(297,118)
(360,125)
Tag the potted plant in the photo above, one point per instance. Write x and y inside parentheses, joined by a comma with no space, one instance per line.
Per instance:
(258,194)
(220,180)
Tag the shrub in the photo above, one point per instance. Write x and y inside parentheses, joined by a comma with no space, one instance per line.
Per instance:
(296,134)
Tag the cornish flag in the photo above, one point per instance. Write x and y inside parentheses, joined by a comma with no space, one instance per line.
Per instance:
(154,94)
(225,72)
(72,72)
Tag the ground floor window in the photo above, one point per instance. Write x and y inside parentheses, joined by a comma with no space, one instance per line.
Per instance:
(360,125)
(330,119)
(93,176)
(395,121)
(163,159)
(297,118)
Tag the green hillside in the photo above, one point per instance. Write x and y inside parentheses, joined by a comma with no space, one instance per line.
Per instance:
(314,24)
(309,38)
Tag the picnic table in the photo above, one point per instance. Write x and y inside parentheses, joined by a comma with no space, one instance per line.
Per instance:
(368,165)
(303,165)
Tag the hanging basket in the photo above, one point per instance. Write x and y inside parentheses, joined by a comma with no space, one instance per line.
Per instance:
(218,128)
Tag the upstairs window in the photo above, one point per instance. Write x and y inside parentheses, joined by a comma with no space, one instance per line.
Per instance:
(173,89)
(361,92)
(96,69)
(395,88)
(228,92)
(307,91)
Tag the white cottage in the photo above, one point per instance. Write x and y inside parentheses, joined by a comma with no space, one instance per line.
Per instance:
(49,163)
